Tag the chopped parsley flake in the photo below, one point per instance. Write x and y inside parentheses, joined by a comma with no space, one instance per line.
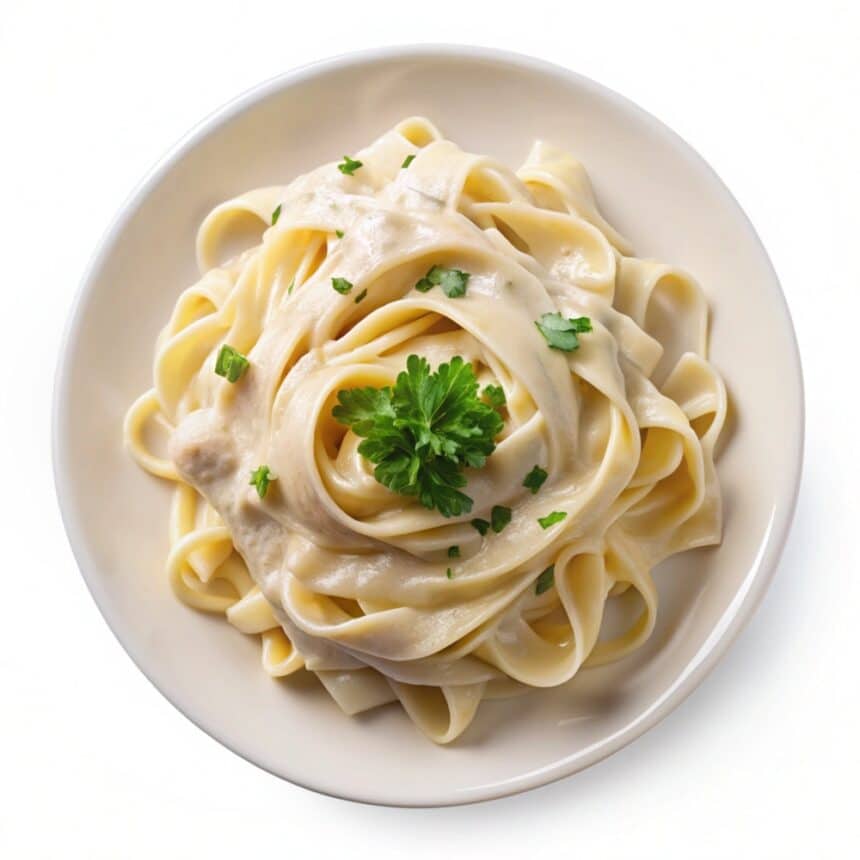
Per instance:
(407,161)
(341,285)
(449,573)
(561,333)
(339,234)
(534,480)
(546,580)
(261,477)
(452,281)
(361,296)
(551,519)
(276,214)
(348,165)
(453,552)
(480,526)
(231,364)
(499,518)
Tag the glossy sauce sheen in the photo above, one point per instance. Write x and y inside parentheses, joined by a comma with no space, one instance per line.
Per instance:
(349,580)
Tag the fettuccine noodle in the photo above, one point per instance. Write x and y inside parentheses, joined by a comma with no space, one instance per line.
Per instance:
(339,575)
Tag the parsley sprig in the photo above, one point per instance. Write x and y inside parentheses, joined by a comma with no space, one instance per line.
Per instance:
(424,431)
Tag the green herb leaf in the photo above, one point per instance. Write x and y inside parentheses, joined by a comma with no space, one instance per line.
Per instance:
(546,580)
(452,281)
(339,234)
(407,161)
(534,480)
(291,287)
(449,573)
(561,333)
(341,285)
(276,214)
(453,552)
(361,296)
(551,519)
(495,396)
(424,431)
(480,526)
(261,477)
(348,165)
(364,408)
(231,364)
(499,518)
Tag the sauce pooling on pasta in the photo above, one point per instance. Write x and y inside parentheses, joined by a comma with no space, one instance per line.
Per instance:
(600,461)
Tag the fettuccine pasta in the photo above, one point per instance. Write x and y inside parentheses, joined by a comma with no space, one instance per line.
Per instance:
(602,466)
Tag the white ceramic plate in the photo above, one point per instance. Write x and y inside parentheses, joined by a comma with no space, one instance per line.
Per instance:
(652,187)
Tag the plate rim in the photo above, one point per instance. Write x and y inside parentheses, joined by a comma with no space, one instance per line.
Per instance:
(743,605)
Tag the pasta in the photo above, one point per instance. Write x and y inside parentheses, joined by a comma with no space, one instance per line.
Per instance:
(602,466)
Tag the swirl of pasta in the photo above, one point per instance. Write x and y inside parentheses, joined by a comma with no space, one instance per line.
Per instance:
(347,579)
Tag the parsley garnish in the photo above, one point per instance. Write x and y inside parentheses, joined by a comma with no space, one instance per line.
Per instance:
(339,234)
(495,396)
(452,281)
(341,285)
(499,518)
(546,580)
(449,573)
(424,431)
(261,477)
(360,296)
(231,364)
(534,480)
(348,165)
(407,161)
(551,519)
(291,287)
(561,333)
(453,552)
(480,526)
(276,214)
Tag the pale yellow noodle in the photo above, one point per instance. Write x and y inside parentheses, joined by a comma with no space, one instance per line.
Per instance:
(334,572)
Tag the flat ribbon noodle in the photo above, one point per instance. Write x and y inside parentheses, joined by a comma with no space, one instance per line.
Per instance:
(335,573)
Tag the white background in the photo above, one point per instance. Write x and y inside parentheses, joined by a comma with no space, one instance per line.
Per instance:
(761,761)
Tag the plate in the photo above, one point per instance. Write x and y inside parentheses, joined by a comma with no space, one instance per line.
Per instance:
(654,189)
